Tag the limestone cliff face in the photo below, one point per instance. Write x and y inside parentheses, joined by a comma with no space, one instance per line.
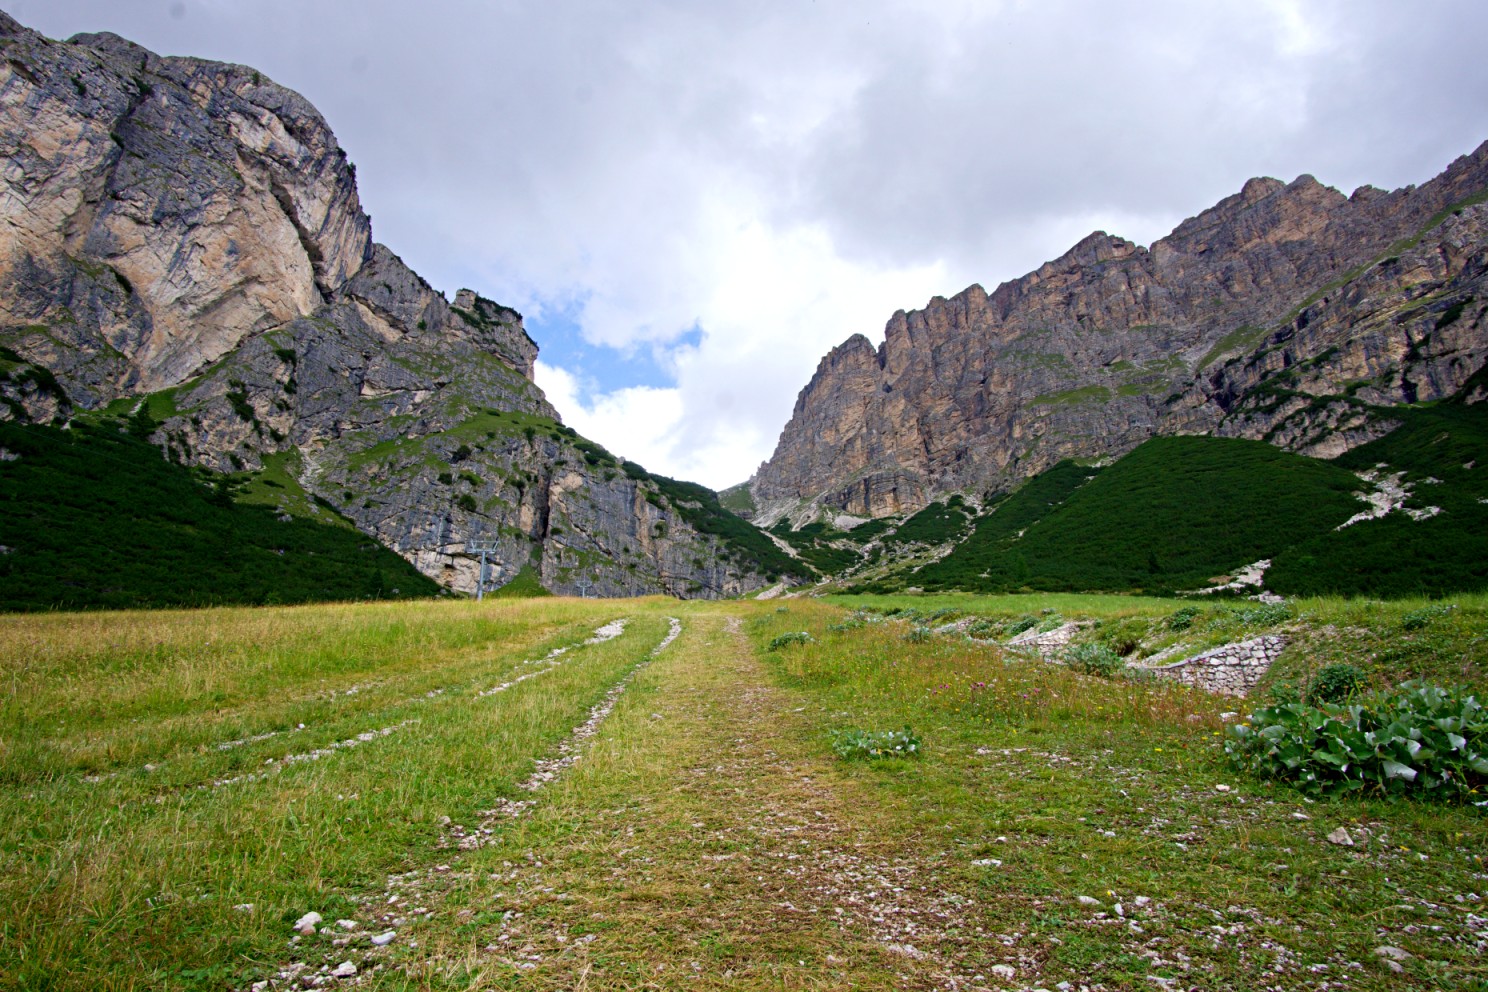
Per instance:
(1282,312)
(185,237)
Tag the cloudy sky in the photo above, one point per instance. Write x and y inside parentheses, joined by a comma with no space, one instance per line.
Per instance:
(692,201)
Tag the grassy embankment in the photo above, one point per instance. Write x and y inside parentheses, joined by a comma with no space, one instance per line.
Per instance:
(708,838)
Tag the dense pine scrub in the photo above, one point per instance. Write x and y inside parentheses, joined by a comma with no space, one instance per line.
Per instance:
(1174,514)
(92,517)
(985,560)
(935,524)
(1443,450)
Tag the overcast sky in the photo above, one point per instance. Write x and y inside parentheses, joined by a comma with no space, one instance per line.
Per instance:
(692,201)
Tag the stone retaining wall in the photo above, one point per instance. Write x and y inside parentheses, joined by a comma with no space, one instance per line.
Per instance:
(1232,669)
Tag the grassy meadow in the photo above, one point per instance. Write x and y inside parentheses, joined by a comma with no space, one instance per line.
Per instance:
(178,789)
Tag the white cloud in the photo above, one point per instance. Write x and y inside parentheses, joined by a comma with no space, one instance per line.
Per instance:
(635,423)
(769,304)
(784,175)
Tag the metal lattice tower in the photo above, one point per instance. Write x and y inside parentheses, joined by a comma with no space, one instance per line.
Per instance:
(483,546)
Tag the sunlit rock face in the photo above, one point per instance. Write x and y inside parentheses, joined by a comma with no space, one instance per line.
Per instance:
(191,232)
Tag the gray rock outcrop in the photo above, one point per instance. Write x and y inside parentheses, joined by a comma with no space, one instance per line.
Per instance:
(1284,312)
(183,240)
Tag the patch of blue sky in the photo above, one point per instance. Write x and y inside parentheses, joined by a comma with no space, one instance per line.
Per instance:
(604,368)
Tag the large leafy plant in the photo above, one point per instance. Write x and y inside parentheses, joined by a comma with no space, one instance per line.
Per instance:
(866,745)
(1418,739)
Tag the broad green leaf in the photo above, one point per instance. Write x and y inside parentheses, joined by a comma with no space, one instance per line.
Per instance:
(1394,769)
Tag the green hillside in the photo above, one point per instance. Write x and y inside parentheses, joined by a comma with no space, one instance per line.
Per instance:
(1443,450)
(1173,514)
(92,516)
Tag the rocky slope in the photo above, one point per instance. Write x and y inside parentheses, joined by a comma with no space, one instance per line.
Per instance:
(1287,312)
(182,242)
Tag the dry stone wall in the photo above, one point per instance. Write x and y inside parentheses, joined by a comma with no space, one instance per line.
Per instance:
(1232,670)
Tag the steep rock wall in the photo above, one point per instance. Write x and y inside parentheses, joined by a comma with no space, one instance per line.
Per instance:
(182,241)
(1112,343)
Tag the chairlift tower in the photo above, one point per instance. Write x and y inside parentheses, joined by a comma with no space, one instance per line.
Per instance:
(485,547)
(584,586)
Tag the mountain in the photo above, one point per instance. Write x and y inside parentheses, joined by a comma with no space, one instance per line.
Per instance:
(1403,515)
(183,245)
(1288,313)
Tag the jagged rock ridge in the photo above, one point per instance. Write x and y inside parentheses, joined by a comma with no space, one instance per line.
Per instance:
(183,239)
(1287,312)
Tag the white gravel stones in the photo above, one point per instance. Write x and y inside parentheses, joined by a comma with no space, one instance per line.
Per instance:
(316,755)
(384,938)
(308,922)
(1004,971)
(344,970)
(1341,838)
(1392,956)
(1087,901)
(569,750)
(608,632)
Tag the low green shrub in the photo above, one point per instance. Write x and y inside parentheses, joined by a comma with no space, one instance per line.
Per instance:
(1285,691)
(1183,618)
(983,628)
(1093,658)
(1015,627)
(1051,621)
(1123,635)
(918,635)
(1417,619)
(1265,615)
(793,637)
(1336,683)
(865,745)
(1417,740)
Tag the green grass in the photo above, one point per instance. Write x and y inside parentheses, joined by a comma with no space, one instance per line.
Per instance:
(96,518)
(708,837)
(1073,397)
(737,499)
(1241,339)
(118,720)
(1085,786)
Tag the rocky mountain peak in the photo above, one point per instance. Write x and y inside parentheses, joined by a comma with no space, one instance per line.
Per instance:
(1278,301)
(183,244)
